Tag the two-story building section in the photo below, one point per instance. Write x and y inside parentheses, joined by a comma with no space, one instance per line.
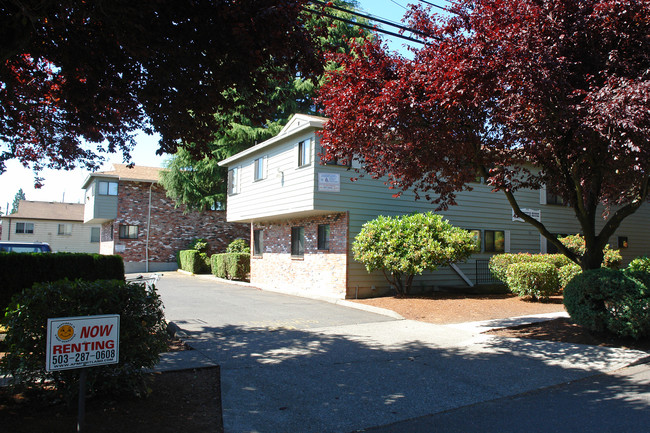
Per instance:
(304,216)
(144,226)
(58,224)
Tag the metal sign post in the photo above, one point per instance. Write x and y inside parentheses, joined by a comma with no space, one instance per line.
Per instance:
(80,342)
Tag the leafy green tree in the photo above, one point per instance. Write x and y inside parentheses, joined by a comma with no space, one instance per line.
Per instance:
(20,195)
(199,183)
(404,246)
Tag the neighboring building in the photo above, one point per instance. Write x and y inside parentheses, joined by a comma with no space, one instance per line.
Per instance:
(304,217)
(140,223)
(59,224)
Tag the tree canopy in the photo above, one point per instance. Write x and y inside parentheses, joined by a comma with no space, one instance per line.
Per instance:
(524,92)
(73,73)
(198,182)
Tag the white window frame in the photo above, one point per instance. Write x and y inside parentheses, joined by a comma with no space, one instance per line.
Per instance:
(259,168)
(64,229)
(98,230)
(25,230)
(233,180)
(304,152)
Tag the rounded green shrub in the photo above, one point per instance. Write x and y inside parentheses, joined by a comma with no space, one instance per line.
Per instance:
(607,300)
(567,272)
(536,280)
(143,334)
(239,246)
(499,263)
(639,264)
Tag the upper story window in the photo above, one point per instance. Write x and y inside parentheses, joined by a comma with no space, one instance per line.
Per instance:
(304,153)
(259,168)
(65,229)
(233,181)
(333,161)
(107,188)
(554,199)
(25,228)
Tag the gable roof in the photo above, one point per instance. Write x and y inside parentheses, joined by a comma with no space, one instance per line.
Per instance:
(297,124)
(48,211)
(123,172)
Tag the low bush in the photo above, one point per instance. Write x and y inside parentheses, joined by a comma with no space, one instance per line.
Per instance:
(233,266)
(566,274)
(607,300)
(239,246)
(194,261)
(143,334)
(21,270)
(499,263)
(639,264)
(537,280)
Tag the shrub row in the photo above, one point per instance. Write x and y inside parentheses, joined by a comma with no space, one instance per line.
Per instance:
(500,262)
(143,333)
(612,301)
(536,280)
(233,266)
(194,261)
(19,270)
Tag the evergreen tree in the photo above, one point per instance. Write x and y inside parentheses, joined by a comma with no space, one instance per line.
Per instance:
(20,195)
(199,183)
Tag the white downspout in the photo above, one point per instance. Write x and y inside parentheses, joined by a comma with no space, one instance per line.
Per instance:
(146,247)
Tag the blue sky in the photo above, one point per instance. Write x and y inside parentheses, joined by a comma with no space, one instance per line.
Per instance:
(66,185)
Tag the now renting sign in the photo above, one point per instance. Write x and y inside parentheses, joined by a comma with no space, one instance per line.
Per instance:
(79,342)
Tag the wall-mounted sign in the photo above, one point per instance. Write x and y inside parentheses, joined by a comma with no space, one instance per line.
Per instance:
(86,341)
(329,182)
(533,213)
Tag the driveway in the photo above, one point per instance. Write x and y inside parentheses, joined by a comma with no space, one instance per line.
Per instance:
(292,364)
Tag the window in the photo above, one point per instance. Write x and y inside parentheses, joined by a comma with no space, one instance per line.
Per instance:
(552,249)
(323,236)
(107,188)
(304,153)
(65,229)
(495,241)
(297,241)
(233,181)
(25,228)
(217,205)
(554,199)
(258,245)
(476,238)
(95,234)
(260,169)
(128,232)
(333,161)
(622,241)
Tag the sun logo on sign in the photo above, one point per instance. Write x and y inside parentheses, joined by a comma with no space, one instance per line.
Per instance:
(65,332)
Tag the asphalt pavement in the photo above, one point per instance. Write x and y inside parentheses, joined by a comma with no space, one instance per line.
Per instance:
(292,364)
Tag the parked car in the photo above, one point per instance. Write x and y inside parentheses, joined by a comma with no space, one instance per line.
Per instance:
(25,247)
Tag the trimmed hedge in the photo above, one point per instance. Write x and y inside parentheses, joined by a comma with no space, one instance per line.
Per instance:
(233,266)
(21,270)
(194,261)
(537,280)
(143,333)
(499,263)
(607,300)
(567,272)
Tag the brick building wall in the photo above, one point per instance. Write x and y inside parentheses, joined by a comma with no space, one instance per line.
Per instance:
(319,272)
(171,230)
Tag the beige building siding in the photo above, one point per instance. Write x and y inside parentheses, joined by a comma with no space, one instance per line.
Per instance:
(78,241)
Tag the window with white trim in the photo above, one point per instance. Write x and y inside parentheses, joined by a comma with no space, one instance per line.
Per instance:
(25,228)
(95,233)
(495,241)
(259,169)
(107,188)
(304,153)
(233,181)
(65,229)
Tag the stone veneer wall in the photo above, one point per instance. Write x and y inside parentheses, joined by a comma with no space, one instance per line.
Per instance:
(318,272)
(171,229)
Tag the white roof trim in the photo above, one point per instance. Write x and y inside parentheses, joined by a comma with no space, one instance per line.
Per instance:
(297,124)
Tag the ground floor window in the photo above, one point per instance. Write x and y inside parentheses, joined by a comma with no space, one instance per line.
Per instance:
(25,228)
(95,234)
(258,236)
(297,241)
(323,236)
(128,232)
(495,241)
(65,229)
